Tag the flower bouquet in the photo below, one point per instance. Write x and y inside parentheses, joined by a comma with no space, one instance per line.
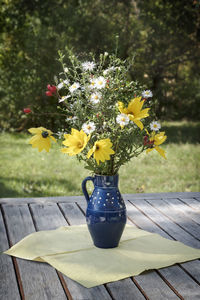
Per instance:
(106,115)
(107,124)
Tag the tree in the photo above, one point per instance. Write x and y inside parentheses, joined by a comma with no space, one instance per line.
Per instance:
(162,35)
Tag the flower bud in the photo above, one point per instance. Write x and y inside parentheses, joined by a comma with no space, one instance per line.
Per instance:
(49,94)
(52,88)
(27,110)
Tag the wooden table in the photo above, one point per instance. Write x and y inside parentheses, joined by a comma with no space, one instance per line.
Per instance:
(172,215)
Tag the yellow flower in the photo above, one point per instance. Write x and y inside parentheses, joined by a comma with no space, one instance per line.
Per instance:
(155,141)
(41,139)
(75,142)
(101,150)
(134,111)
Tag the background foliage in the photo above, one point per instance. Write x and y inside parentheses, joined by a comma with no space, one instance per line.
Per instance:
(163,35)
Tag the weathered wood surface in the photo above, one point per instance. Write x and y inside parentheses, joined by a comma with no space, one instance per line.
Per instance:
(175,216)
(187,195)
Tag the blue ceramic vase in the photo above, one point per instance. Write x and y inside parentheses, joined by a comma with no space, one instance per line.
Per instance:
(106,211)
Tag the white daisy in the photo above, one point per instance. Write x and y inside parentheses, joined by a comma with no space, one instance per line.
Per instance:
(88,65)
(147,94)
(155,126)
(95,97)
(63,98)
(62,84)
(88,128)
(111,69)
(71,118)
(66,70)
(92,83)
(122,120)
(100,82)
(74,87)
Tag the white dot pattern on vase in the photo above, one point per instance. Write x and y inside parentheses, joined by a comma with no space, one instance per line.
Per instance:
(107,200)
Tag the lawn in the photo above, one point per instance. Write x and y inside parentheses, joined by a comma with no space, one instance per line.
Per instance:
(24,172)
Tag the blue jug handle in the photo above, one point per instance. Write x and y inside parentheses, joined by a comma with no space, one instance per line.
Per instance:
(84,187)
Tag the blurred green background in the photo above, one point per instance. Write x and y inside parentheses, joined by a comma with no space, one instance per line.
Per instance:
(164,37)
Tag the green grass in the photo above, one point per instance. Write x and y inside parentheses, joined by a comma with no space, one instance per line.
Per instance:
(24,172)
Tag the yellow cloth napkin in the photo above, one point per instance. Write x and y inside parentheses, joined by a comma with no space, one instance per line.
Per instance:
(71,251)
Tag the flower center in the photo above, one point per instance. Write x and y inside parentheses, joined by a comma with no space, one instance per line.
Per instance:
(96,97)
(45,134)
(80,145)
(122,119)
(100,82)
(97,147)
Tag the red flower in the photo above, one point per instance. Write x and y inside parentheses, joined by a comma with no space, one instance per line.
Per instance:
(27,110)
(51,90)
(147,142)
(48,93)
(146,138)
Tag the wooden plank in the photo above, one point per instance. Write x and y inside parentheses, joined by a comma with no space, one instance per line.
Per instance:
(161,195)
(175,276)
(191,267)
(39,280)
(176,216)
(143,222)
(125,289)
(195,204)
(8,282)
(72,213)
(72,199)
(179,206)
(160,289)
(47,217)
(166,224)
(42,200)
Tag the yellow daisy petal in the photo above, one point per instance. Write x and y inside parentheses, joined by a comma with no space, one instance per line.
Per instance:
(161,151)
(41,139)
(139,124)
(76,142)
(101,150)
